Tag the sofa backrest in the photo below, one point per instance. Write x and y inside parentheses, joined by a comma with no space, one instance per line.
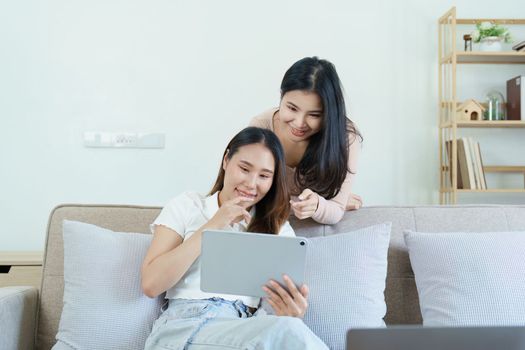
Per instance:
(114,217)
(400,294)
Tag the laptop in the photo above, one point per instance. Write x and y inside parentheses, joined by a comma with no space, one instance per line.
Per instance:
(241,263)
(436,338)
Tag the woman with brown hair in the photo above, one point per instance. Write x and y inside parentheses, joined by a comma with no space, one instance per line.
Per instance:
(250,194)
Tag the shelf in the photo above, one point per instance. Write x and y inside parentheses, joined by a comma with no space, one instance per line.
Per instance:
(498,190)
(493,20)
(498,168)
(445,104)
(504,57)
(492,169)
(480,57)
(504,169)
(486,124)
(491,190)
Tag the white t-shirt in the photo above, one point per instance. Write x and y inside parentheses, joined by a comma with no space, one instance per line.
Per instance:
(185,214)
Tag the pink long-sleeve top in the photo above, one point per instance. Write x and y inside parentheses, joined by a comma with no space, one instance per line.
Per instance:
(329,211)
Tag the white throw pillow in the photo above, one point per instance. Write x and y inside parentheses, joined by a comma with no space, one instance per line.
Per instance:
(104,307)
(346,275)
(469,279)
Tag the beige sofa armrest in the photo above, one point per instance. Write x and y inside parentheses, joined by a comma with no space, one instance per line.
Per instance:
(18,307)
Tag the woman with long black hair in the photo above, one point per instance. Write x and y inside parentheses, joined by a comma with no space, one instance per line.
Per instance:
(321,144)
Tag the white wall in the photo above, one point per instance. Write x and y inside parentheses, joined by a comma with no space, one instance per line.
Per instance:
(198,71)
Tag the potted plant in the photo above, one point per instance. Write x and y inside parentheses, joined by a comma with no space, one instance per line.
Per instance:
(490,36)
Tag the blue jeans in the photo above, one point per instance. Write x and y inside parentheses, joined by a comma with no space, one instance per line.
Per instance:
(221,324)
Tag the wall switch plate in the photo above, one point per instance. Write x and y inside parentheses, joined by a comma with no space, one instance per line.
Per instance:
(100,139)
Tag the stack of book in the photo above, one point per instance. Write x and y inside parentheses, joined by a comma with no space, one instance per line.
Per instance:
(519,46)
(470,174)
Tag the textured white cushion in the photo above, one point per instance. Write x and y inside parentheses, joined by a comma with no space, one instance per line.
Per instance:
(104,307)
(346,275)
(469,279)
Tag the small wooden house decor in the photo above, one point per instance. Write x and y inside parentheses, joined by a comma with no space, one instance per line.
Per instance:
(469,110)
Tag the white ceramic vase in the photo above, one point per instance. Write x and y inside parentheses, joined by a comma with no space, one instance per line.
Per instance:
(490,43)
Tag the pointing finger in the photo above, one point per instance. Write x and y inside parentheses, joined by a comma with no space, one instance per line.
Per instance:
(303,204)
(305,194)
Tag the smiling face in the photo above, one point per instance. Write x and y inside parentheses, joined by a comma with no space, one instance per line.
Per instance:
(248,174)
(300,114)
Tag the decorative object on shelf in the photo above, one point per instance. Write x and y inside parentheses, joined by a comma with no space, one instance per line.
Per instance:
(490,44)
(516,98)
(519,46)
(495,106)
(468,42)
(469,110)
(490,36)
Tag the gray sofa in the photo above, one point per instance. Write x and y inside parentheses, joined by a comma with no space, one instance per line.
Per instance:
(30,320)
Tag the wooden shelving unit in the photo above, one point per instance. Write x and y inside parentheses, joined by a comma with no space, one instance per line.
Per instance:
(449,59)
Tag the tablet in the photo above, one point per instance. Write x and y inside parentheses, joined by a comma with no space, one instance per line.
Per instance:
(241,263)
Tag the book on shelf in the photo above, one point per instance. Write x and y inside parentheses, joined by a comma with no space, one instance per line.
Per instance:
(479,174)
(463,179)
(519,46)
(483,180)
(474,160)
(516,98)
(469,166)
(463,169)
(448,145)
(468,163)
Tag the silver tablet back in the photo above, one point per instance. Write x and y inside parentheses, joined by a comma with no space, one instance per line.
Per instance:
(241,263)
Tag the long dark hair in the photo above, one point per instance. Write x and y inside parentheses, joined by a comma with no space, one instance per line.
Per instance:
(324,165)
(272,211)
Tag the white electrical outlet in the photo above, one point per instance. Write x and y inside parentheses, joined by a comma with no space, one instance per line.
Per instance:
(100,139)
(129,140)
